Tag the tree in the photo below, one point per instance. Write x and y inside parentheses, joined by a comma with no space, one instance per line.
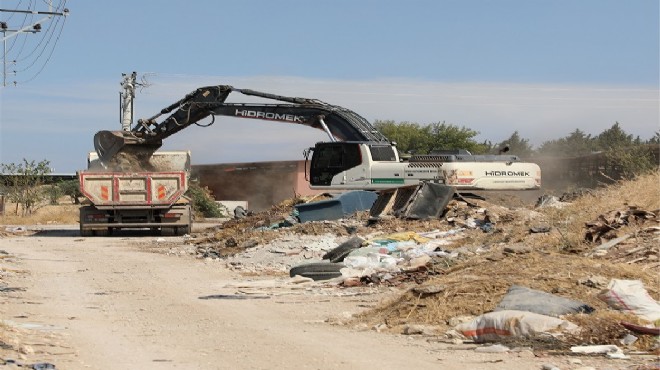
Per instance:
(613,138)
(576,144)
(628,154)
(517,145)
(409,136)
(23,183)
(71,188)
(414,138)
(441,135)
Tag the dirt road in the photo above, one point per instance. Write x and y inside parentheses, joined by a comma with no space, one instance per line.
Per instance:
(110,303)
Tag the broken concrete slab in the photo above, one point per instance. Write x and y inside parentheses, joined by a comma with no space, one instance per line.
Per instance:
(418,202)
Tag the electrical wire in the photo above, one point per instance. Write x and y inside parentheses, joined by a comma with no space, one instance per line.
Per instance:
(42,50)
(25,21)
(57,39)
(46,35)
(49,34)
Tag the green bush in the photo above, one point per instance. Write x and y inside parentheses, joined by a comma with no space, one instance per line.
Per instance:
(203,203)
(54,193)
(71,188)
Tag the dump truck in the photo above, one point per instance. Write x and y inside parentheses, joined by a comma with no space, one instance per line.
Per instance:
(137,194)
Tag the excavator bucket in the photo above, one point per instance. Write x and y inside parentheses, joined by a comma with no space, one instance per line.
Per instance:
(109,145)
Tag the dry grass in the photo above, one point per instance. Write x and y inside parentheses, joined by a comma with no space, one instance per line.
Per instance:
(556,263)
(643,193)
(50,214)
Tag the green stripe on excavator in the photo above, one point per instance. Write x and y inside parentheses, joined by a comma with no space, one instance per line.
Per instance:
(387,181)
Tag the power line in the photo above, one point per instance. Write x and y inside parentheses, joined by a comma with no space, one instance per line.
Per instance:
(46,44)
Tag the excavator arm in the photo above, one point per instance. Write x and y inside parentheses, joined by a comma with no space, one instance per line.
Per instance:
(148,134)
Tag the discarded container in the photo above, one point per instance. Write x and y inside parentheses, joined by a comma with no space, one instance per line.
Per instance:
(336,208)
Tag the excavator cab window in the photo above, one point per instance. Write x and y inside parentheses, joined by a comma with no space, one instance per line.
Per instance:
(329,159)
(384,153)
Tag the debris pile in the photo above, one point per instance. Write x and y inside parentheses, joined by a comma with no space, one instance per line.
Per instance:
(458,271)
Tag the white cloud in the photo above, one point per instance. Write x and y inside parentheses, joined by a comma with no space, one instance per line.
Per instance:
(538,112)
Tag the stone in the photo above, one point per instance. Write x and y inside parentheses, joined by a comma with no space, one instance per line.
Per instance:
(517,249)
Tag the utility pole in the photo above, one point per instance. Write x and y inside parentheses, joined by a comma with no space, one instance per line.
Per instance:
(126,97)
(30,28)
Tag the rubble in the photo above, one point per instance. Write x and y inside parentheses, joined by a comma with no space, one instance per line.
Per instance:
(463,264)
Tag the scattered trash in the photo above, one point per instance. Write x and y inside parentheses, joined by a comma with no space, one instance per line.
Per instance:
(525,299)
(610,350)
(550,201)
(631,296)
(494,326)
(16,229)
(614,220)
(318,270)
(495,348)
(629,339)
(641,329)
(35,366)
(342,250)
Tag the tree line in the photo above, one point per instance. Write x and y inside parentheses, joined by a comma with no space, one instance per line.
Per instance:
(415,138)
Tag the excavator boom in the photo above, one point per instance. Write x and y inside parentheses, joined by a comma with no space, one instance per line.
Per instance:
(147,135)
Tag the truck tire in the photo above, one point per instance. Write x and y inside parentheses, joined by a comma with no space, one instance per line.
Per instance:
(317,270)
(340,252)
(182,230)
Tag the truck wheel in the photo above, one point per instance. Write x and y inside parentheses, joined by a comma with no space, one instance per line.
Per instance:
(168,231)
(86,232)
(181,231)
(317,270)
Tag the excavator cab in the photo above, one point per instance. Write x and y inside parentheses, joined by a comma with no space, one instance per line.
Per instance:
(331,158)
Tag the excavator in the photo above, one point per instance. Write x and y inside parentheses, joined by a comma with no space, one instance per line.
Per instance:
(356,157)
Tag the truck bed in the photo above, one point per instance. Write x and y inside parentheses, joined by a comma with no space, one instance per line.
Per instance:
(109,190)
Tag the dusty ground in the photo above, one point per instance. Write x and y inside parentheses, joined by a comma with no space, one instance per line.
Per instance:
(107,303)
(102,303)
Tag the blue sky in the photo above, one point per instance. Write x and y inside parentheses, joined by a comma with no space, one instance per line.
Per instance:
(542,68)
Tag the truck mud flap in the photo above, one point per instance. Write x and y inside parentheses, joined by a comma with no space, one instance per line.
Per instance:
(417,202)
